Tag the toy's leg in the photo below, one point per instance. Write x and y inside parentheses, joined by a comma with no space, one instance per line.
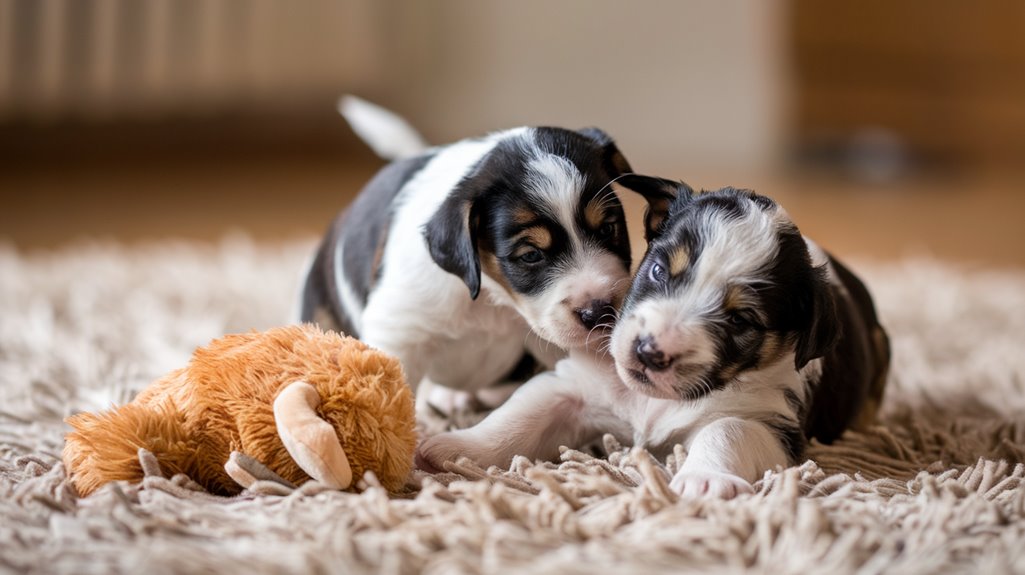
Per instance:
(311,441)
(239,473)
(246,471)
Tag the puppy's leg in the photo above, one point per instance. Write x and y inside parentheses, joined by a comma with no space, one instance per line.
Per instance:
(496,395)
(726,456)
(548,411)
(444,400)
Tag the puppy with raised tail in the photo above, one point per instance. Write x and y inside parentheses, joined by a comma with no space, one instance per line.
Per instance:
(462,260)
(739,339)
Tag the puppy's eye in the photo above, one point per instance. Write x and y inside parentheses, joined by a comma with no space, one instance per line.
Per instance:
(607,230)
(657,273)
(739,320)
(531,257)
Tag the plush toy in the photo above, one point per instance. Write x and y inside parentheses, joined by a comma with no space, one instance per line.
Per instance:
(304,403)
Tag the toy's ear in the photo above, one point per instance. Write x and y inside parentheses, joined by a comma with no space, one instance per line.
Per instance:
(311,441)
(451,233)
(824,330)
(613,160)
(664,197)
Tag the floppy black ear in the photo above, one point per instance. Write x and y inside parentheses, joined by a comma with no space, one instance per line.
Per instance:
(613,160)
(661,194)
(451,236)
(824,330)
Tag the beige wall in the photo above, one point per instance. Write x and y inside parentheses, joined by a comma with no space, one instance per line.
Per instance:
(681,85)
(100,60)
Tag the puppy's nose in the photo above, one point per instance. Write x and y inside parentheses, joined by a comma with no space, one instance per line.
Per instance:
(591,314)
(650,355)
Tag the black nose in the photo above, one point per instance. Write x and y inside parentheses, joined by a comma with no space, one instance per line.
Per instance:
(650,355)
(592,314)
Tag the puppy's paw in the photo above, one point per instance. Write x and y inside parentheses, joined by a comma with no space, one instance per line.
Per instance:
(435,451)
(698,483)
(448,401)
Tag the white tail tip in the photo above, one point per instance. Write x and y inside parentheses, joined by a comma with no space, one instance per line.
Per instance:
(387,134)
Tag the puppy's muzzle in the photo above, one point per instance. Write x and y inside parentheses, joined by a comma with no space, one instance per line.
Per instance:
(649,354)
(592,314)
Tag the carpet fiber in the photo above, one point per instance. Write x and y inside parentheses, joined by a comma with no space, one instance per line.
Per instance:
(938,486)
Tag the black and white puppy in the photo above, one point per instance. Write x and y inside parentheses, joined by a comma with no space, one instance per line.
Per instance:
(463,258)
(739,339)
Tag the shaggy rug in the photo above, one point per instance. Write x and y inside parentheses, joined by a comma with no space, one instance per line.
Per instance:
(939,486)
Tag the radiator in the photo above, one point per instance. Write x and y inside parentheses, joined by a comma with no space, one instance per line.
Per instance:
(97,59)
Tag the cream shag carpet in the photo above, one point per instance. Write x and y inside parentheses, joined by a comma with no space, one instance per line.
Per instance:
(938,487)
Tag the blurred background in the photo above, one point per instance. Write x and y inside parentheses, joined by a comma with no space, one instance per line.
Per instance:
(886,129)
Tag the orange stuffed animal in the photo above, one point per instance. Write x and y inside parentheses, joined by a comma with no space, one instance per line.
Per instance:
(305,403)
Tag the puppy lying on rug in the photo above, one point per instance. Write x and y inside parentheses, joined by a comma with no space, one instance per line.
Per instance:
(738,339)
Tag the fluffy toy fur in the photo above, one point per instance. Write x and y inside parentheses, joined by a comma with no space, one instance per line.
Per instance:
(226,399)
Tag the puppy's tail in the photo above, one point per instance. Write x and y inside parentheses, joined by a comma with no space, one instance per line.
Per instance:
(388,134)
(104,446)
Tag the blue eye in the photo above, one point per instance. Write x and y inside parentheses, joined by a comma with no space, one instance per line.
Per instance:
(657,273)
(532,257)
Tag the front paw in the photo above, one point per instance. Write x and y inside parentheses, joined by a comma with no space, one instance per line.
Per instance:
(435,451)
(699,483)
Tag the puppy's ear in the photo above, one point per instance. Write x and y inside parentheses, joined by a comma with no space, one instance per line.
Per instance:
(823,332)
(663,197)
(613,160)
(451,234)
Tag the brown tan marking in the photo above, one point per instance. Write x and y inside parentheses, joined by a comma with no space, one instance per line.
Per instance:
(737,298)
(866,417)
(375,265)
(523,216)
(679,259)
(489,266)
(654,215)
(772,349)
(594,215)
(729,372)
(539,236)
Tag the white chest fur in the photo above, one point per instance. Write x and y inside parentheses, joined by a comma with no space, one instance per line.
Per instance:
(483,351)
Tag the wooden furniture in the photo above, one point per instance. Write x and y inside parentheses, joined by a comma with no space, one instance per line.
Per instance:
(946,77)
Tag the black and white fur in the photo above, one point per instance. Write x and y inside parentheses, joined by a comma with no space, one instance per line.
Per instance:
(462,259)
(739,339)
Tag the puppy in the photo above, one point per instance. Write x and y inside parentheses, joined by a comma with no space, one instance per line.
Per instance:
(463,259)
(739,339)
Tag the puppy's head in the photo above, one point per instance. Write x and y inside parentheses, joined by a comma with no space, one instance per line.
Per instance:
(727,286)
(536,224)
